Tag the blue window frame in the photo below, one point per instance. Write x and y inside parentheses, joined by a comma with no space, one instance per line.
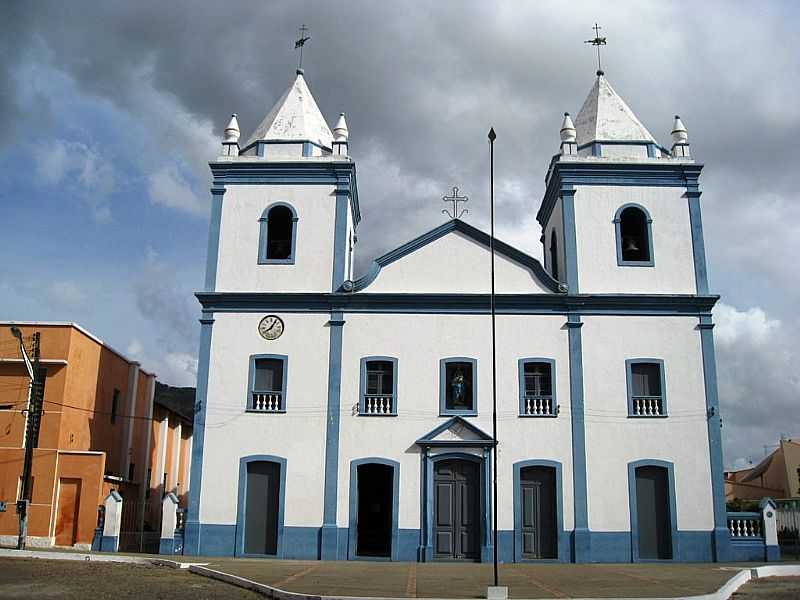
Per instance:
(266,383)
(647,387)
(634,231)
(458,386)
(537,387)
(378,387)
(277,237)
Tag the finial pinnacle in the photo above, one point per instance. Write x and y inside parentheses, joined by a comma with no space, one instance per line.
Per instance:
(301,41)
(597,41)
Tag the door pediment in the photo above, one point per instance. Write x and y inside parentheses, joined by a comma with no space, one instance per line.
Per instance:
(456,432)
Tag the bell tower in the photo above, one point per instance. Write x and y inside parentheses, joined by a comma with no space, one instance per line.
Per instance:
(284,203)
(621,212)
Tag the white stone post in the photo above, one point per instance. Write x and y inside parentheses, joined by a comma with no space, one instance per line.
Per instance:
(112,523)
(770,525)
(169,520)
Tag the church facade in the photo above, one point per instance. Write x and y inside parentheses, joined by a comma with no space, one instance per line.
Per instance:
(348,415)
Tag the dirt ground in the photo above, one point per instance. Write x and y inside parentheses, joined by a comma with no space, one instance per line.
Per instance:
(772,588)
(27,578)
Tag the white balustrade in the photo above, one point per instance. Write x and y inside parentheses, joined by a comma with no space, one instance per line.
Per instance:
(647,406)
(378,405)
(267,402)
(539,406)
(745,526)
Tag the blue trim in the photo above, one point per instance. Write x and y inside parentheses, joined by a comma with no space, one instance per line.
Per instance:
(570,239)
(597,149)
(109,543)
(651,151)
(329,538)
(567,174)
(340,239)
(166,546)
(621,262)
(722,541)
(341,173)
(192,532)
(352,535)
(251,381)
(426,490)
(562,537)
(212,254)
(521,375)
(629,381)
(698,245)
(263,237)
(478,304)
(362,392)
(581,537)
(455,225)
(673,513)
(482,439)
(240,507)
(443,410)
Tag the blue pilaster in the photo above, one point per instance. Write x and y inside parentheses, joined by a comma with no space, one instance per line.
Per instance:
(698,245)
(329,538)
(570,238)
(340,234)
(722,542)
(212,254)
(581,537)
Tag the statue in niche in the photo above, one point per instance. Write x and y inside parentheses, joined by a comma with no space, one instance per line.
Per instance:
(458,388)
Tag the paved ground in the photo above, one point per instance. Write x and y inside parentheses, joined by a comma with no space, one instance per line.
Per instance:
(772,588)
(469,580)
(27,578)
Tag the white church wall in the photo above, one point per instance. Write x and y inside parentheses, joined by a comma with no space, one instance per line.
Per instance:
(454,264)
(298,435)
(613,439)
(242,207)
(623,151)
(419,342)
(598,272)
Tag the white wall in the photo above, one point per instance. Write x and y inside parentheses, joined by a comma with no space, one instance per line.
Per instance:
(242,207)
(598,272)
(455,264)
(613,440)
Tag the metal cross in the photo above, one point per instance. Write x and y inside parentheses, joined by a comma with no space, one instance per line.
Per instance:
(302,42)
(455,199)
(597,42)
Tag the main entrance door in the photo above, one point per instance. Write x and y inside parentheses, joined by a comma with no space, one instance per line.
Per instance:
(69,499)
(374,532)
(261,508)
(456,510)
(538,494)
(652,513)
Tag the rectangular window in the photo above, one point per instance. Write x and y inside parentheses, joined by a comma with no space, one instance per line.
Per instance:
(114,406)
(646,397)
(267,384)
(457,387)
(536,387)
(378,386)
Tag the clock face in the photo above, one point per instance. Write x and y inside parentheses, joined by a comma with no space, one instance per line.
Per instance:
(270,327)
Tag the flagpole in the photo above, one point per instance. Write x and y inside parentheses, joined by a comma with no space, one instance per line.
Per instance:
(492,137)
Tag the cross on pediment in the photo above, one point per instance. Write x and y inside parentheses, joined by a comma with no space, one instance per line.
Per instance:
(455,212)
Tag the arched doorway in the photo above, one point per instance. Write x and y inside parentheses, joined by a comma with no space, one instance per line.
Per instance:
(651,485)
(456,510)
(375,504)
(259,517)
(538,512)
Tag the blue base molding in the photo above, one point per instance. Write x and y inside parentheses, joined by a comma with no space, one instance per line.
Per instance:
(109,543)
(307,543)
(166,546)
(773,553)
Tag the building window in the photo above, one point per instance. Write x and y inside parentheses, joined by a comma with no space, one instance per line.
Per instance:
(554,255)
(646,387)
(114,406)
(457,386)
(634,236)
(537,387)
(378,386)
(267,383)
(131,470)
(277,235)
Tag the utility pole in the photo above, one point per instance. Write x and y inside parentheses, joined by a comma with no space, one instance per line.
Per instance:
(492,137)
(34,414)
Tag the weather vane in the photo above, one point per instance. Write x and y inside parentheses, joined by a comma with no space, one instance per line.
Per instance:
(455,199)
(302,42)
(597,42)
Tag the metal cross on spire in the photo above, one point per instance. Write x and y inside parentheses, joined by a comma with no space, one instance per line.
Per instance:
(455,199)
(597,42)
(300,43)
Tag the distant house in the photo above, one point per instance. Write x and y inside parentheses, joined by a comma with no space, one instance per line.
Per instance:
(777,476)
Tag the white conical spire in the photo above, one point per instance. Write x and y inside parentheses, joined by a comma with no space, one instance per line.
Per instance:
(294,117)
(604,116)
(679,133)
(231,131)
(568,133)
(340,132)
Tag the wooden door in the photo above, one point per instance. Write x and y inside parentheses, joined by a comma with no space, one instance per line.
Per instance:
(262,508)
(456,508)
(652,513)
(538,494)
(69,500)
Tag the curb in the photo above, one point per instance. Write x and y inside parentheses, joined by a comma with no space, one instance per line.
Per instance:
(7,553)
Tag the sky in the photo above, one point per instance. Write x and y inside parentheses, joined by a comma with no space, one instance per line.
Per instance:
(110,112)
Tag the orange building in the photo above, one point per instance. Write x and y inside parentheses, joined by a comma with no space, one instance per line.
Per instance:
(777,476)
(95,433)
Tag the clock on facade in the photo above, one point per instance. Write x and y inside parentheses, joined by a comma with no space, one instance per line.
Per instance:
(270,327)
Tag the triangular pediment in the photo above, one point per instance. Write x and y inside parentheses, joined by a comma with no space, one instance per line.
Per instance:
(456,432)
